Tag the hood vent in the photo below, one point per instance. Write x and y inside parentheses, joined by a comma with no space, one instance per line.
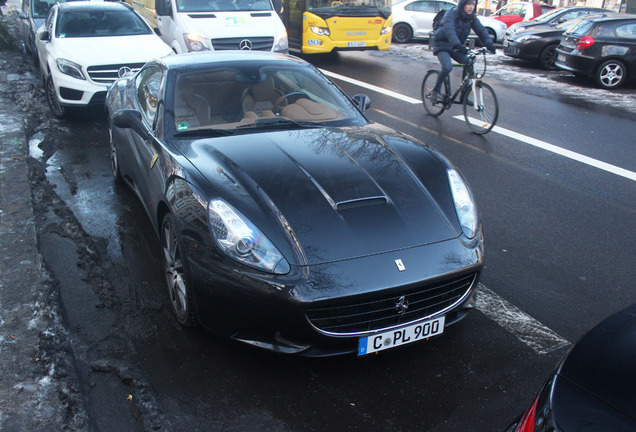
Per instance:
(361,202)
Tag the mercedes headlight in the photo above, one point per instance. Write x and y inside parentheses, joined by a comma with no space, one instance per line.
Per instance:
(281,42)
(464,204)
(70,68)
(240,239)
(194,42)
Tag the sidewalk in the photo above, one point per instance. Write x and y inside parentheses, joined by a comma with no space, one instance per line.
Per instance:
(35,394)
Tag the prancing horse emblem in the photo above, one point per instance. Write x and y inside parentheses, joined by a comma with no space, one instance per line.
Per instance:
(245,45)
(402,305)
(400,265)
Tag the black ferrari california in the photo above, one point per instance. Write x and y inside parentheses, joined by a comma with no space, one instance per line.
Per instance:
(288,220)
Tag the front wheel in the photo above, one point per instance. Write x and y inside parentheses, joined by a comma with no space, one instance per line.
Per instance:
(51,98)
(175,265)
(481,108)
(427,87)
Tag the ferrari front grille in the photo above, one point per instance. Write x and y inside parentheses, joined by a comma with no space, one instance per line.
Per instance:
(352,317)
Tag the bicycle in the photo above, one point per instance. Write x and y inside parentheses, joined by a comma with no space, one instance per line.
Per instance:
(484,101)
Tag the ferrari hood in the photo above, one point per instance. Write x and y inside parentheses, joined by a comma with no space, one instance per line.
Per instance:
(339,193)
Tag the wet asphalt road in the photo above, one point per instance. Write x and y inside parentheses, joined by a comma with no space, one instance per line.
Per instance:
(140,371)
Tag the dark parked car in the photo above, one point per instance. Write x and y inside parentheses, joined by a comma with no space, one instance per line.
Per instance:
(602,47)
(537,43)
(594,386)
(554,17)
(32,16)
(286,219)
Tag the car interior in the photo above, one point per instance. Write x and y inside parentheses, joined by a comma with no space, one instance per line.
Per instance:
(226,99)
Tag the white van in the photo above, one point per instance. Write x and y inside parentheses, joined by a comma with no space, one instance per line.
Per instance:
(209,25)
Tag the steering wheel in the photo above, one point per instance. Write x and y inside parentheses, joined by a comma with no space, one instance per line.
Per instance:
(283,101)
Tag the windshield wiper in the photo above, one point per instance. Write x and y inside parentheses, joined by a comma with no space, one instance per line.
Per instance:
(278,122)
(205,133)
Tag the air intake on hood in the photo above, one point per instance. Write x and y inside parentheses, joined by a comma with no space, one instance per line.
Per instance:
(360,202)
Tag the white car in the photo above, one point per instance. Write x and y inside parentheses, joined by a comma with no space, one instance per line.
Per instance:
(83,47)
(413,19)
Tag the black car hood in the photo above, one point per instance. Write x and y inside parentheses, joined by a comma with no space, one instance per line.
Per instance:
(603,362)
(332,194)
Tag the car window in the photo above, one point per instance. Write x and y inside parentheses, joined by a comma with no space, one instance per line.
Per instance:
(627,31)
(582,27)
(148,85)
(548,15)
(421,6)
(100,23)
(246,98)
(445,6)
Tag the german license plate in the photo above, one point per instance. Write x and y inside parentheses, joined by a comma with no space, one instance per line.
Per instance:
(356,44)
(401,336)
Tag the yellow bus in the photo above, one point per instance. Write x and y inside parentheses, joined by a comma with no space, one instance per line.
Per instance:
(323,26)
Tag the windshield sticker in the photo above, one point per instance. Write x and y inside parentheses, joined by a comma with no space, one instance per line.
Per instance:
(183,126)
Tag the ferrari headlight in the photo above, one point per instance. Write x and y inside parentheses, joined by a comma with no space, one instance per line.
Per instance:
(241,240)
(464,204)
(70,68)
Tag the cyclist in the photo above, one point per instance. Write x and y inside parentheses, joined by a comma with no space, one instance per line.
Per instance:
(449,40)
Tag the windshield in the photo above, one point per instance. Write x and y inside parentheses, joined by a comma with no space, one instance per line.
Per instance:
(223,5)
(225,100)
(355,8)
(98,23)
(548,15)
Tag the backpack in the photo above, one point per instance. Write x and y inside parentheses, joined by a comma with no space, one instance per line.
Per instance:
(437,21)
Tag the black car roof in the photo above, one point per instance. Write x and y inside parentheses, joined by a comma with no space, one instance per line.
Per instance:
(211,58)
(610,16)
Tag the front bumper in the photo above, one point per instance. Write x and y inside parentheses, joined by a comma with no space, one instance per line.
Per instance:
(75,92)
(282,313)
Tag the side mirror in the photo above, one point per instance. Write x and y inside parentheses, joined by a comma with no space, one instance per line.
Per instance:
(163,8)
(44,35)
(130,119)
(157,31)
(362,101)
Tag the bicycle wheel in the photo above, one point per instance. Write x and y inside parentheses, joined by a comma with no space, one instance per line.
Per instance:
(482,118)
(427,86)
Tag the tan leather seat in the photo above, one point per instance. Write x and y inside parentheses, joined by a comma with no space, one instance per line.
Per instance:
(259,98)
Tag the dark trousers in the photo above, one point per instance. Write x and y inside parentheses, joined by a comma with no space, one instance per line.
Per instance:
(444,58)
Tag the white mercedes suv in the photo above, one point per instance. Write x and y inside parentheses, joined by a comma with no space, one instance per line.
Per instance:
(84,47)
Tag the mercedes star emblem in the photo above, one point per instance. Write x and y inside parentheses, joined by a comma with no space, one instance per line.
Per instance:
(245,45)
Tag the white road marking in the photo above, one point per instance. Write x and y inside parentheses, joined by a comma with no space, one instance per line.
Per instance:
(631,175)
(372,87)
(613,169)
(525,328)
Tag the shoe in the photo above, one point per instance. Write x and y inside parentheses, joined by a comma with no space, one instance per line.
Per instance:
(435,97)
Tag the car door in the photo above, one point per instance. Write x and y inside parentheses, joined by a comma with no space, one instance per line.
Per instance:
(145,170)
(422,13)
(510,14)
(46,48)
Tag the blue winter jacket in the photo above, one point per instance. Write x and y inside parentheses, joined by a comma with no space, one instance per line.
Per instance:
(456,26)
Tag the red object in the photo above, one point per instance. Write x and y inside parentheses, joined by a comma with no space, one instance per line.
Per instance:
(585,42)
(527,422)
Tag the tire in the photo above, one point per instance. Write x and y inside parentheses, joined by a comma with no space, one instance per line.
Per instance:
(114,159)
(427,86)
(482,119)
(493,34)
(51,98)
(402,33)
(611,74)
(548,57)
(175,265)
